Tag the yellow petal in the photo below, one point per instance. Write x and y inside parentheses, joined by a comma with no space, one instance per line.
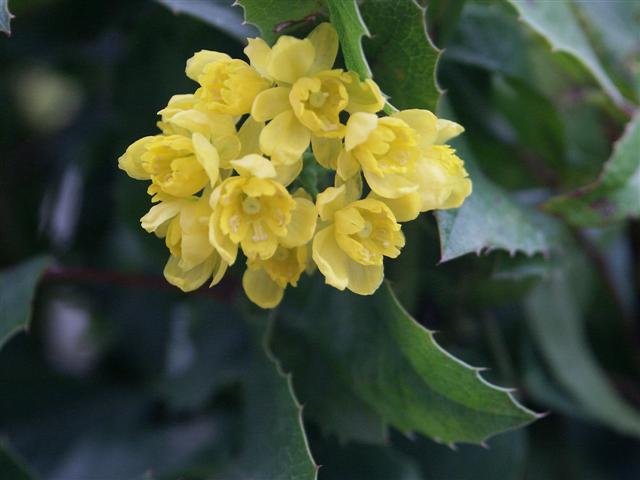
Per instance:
(284,139)
(330,201)
(330,258)
(390,185)
(347,165)
(290,59)
(161,213)
(423,122)
(353,187)
(270,103)
(324,39)
(447,130)
(219,269)
(227,249)
(364,279)
(131,161)
(405,208)
(189,279)
(207,156)
(258,52)
(249,135)
(286,174)
(254,165)
(364,96)
(261,289)
(302,225)
(200,59)
(326,151)
(359,126)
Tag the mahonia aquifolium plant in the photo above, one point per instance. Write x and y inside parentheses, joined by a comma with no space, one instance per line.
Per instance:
(218,188)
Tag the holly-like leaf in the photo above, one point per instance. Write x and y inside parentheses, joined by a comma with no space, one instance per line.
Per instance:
(5,17)
(273,16)
(275,442)
(554,317)
(395,366)
(401,55)
(346,18)
(214,12)
(558,23)
(615,195)
(490,219)
(17,289)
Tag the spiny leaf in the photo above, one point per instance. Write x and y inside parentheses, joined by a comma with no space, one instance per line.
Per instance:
(275,442)
(273,16)
(5,17)
(558,24)
(615,195)
(17,288)
(395,366)
(490,219)
(554,317)
(401,54)
(345,17)
(213,12)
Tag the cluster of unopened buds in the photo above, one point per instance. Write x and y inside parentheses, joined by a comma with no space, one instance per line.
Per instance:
(225,170)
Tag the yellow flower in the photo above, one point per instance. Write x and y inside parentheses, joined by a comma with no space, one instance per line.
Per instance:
(309,97)
(404,162)
(184,224)
(349,251)
(255,211)
(264,281)
(177,166)
(184,115)
(226,85)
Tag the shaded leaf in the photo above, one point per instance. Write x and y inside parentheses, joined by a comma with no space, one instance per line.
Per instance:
(11,467)
(555,319)
(504,458)
(395,366)
(17,289)
(5,17)
(273,16)
(615,195)
(401,54)
(559,25)
(216,13)
(346,18)
(275,441)
(366,462)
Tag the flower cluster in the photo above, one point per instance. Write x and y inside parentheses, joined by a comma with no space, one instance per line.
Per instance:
(222,168)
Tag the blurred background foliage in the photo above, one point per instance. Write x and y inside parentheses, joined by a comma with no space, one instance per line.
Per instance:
(122,377)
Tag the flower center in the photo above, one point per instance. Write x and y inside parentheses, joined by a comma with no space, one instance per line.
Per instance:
(251,205)
(281,254)
(366,230)
(317,99)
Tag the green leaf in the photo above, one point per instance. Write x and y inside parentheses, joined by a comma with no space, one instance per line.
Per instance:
(401,54)
(615,195)
(559,25)
(554,317)
(5,17)
(214,12)
(11,467)
(346,18)
(395,366)
(275,442)
(273,16)
(17,289)
(490,219)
